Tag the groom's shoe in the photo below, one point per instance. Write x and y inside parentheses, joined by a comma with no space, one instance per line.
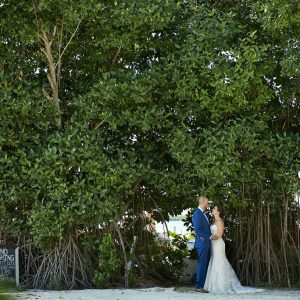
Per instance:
(201,290)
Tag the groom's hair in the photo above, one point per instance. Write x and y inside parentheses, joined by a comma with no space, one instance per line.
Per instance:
(201,199)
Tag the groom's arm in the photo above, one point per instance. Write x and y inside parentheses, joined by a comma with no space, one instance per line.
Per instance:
(198,228)
(204,235)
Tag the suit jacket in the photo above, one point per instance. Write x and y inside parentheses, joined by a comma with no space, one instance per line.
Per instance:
(202,229)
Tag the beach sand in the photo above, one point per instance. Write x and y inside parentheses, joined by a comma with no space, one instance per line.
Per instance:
(180,293)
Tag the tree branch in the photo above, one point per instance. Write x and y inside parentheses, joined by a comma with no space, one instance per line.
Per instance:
(115,58)
(72,36)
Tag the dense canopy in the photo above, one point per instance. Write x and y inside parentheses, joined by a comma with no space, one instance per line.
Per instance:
(113,108)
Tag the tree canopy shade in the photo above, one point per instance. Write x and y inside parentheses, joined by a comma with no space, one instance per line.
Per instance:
(113,108)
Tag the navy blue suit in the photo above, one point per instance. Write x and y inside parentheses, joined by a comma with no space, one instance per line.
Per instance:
(202,245)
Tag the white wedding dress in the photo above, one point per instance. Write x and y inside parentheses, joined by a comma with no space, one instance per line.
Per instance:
(221,277)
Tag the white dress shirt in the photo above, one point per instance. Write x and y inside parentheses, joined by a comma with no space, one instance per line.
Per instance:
(204,214)
(206,218)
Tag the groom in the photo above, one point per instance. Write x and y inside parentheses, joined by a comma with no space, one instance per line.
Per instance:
(202,242)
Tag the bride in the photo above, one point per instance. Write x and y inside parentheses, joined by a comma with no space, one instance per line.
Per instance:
(221,277)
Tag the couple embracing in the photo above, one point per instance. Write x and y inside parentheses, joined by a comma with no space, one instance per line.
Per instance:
(214,272)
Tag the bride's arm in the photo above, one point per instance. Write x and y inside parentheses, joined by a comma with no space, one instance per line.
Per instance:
(220,229)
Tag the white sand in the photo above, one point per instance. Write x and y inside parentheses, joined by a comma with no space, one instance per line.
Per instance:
(153,293)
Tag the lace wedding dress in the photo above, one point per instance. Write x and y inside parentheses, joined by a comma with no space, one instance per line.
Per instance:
(221,277)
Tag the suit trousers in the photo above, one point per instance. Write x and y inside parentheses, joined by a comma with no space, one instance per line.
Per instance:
(202,265)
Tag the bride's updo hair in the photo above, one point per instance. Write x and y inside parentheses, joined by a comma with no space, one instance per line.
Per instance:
(220,210)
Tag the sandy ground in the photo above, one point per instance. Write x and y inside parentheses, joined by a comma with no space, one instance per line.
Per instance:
(153,293)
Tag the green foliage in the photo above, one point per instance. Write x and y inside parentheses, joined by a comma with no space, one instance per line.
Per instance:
(4,296)
(108,263)
(168,259)
(57,283)
(7,290)
(132,278)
